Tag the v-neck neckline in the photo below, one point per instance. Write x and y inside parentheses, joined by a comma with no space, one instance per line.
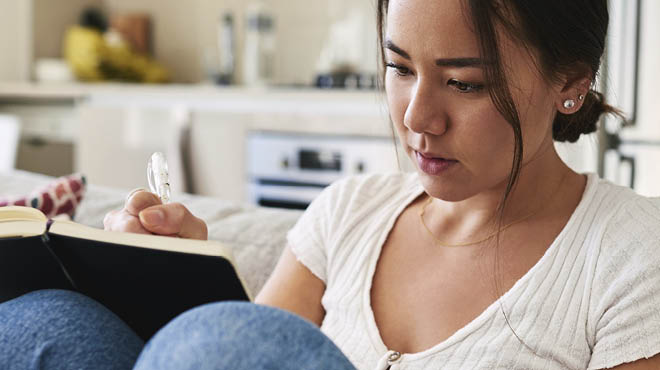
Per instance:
(372,328)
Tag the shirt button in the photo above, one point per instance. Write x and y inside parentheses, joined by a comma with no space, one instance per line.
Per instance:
(393,357)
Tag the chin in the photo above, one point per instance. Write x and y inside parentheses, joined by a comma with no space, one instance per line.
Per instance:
(442,188)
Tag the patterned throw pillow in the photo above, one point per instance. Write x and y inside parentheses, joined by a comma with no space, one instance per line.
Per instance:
(61,196)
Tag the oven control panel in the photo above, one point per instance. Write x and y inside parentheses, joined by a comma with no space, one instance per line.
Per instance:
(288,170)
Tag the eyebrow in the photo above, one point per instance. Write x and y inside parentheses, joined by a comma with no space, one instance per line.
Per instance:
(445,62)
(388,44)
(460,62)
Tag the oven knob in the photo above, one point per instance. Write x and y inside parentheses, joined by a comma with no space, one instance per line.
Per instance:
(360,167)
(284,163)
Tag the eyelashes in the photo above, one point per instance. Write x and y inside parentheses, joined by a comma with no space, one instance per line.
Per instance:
(460,86)
(398,69)
(465,87)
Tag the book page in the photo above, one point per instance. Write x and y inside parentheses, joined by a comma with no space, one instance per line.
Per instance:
(165,243)
(21,222)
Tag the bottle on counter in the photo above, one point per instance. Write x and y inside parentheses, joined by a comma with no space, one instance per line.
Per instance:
(259,55)
(226,50)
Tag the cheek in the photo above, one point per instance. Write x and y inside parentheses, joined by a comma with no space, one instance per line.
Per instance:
(482,135)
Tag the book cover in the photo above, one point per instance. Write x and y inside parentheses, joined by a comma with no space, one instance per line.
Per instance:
(146,280)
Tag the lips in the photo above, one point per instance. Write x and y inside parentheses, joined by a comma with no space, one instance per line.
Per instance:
(433,164)
(434,156)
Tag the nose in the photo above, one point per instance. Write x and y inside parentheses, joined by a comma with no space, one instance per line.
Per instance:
(425,112)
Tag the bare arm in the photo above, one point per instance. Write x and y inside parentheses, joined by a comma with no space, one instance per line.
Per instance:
(652,363)
(294,288)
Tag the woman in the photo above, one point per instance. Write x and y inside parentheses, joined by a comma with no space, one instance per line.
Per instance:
(493,255)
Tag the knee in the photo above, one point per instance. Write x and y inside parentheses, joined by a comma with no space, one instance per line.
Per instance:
(234,333)
(48,296)
(235,320)
(44,305)
(54,325)
(61,311)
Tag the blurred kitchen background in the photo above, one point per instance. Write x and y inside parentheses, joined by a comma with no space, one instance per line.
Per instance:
(265,101)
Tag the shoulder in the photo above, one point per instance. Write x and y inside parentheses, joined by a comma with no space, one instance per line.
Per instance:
(633,221)
(353,196)
(620,229)
(369,188)
(630,246)
(626,245)
(341,209)
(374,182)
(611,212)
(352,202)
(624,313)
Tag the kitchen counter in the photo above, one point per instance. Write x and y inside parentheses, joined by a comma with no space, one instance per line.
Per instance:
(117,125)
(31,90)
(351,112)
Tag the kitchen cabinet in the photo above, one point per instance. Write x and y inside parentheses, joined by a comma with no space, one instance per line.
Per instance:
(118,132)
(48,129)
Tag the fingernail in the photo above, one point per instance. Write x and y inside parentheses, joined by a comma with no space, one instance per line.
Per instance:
(128,197)
(152,217)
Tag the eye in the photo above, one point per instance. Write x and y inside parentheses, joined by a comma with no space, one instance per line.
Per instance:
(399,69)
(464,87)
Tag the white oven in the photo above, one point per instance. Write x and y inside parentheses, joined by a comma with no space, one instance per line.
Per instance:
(288,170)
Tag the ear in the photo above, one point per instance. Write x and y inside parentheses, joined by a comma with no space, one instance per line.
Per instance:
(571,96)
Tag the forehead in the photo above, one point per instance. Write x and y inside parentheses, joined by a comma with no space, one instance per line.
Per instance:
(439,27)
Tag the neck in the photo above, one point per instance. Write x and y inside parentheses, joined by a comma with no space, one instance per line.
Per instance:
(543,185)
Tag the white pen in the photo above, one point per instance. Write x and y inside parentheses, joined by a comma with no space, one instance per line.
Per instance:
(158,177)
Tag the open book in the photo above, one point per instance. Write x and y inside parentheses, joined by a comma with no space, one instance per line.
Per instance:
(146,280)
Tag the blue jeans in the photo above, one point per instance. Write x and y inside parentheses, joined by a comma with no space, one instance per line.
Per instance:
(54,329)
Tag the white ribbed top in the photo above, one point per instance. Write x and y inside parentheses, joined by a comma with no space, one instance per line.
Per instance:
(592,301)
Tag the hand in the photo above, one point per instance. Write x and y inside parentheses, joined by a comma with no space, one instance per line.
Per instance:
(144,213)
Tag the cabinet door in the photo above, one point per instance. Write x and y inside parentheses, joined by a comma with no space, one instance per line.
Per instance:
(49,157)
(217,154)
(114,143)
(47,131)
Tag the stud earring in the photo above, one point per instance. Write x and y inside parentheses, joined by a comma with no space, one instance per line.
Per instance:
(580,97)
(569,103)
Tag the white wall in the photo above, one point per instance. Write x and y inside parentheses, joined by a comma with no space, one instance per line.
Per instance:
(51,19)
(15,40)
(184,34)
(21,21)
(175,33)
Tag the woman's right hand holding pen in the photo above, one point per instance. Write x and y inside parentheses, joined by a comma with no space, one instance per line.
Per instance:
(144,213)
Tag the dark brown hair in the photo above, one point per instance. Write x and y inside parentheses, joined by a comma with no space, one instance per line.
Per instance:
(568,36)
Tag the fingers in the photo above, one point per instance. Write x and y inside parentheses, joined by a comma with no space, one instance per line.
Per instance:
(129,195)
(139,200)
(126,220)
(144,213)
(120,220)
(173,219)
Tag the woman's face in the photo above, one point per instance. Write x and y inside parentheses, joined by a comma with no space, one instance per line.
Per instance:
(441,107)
